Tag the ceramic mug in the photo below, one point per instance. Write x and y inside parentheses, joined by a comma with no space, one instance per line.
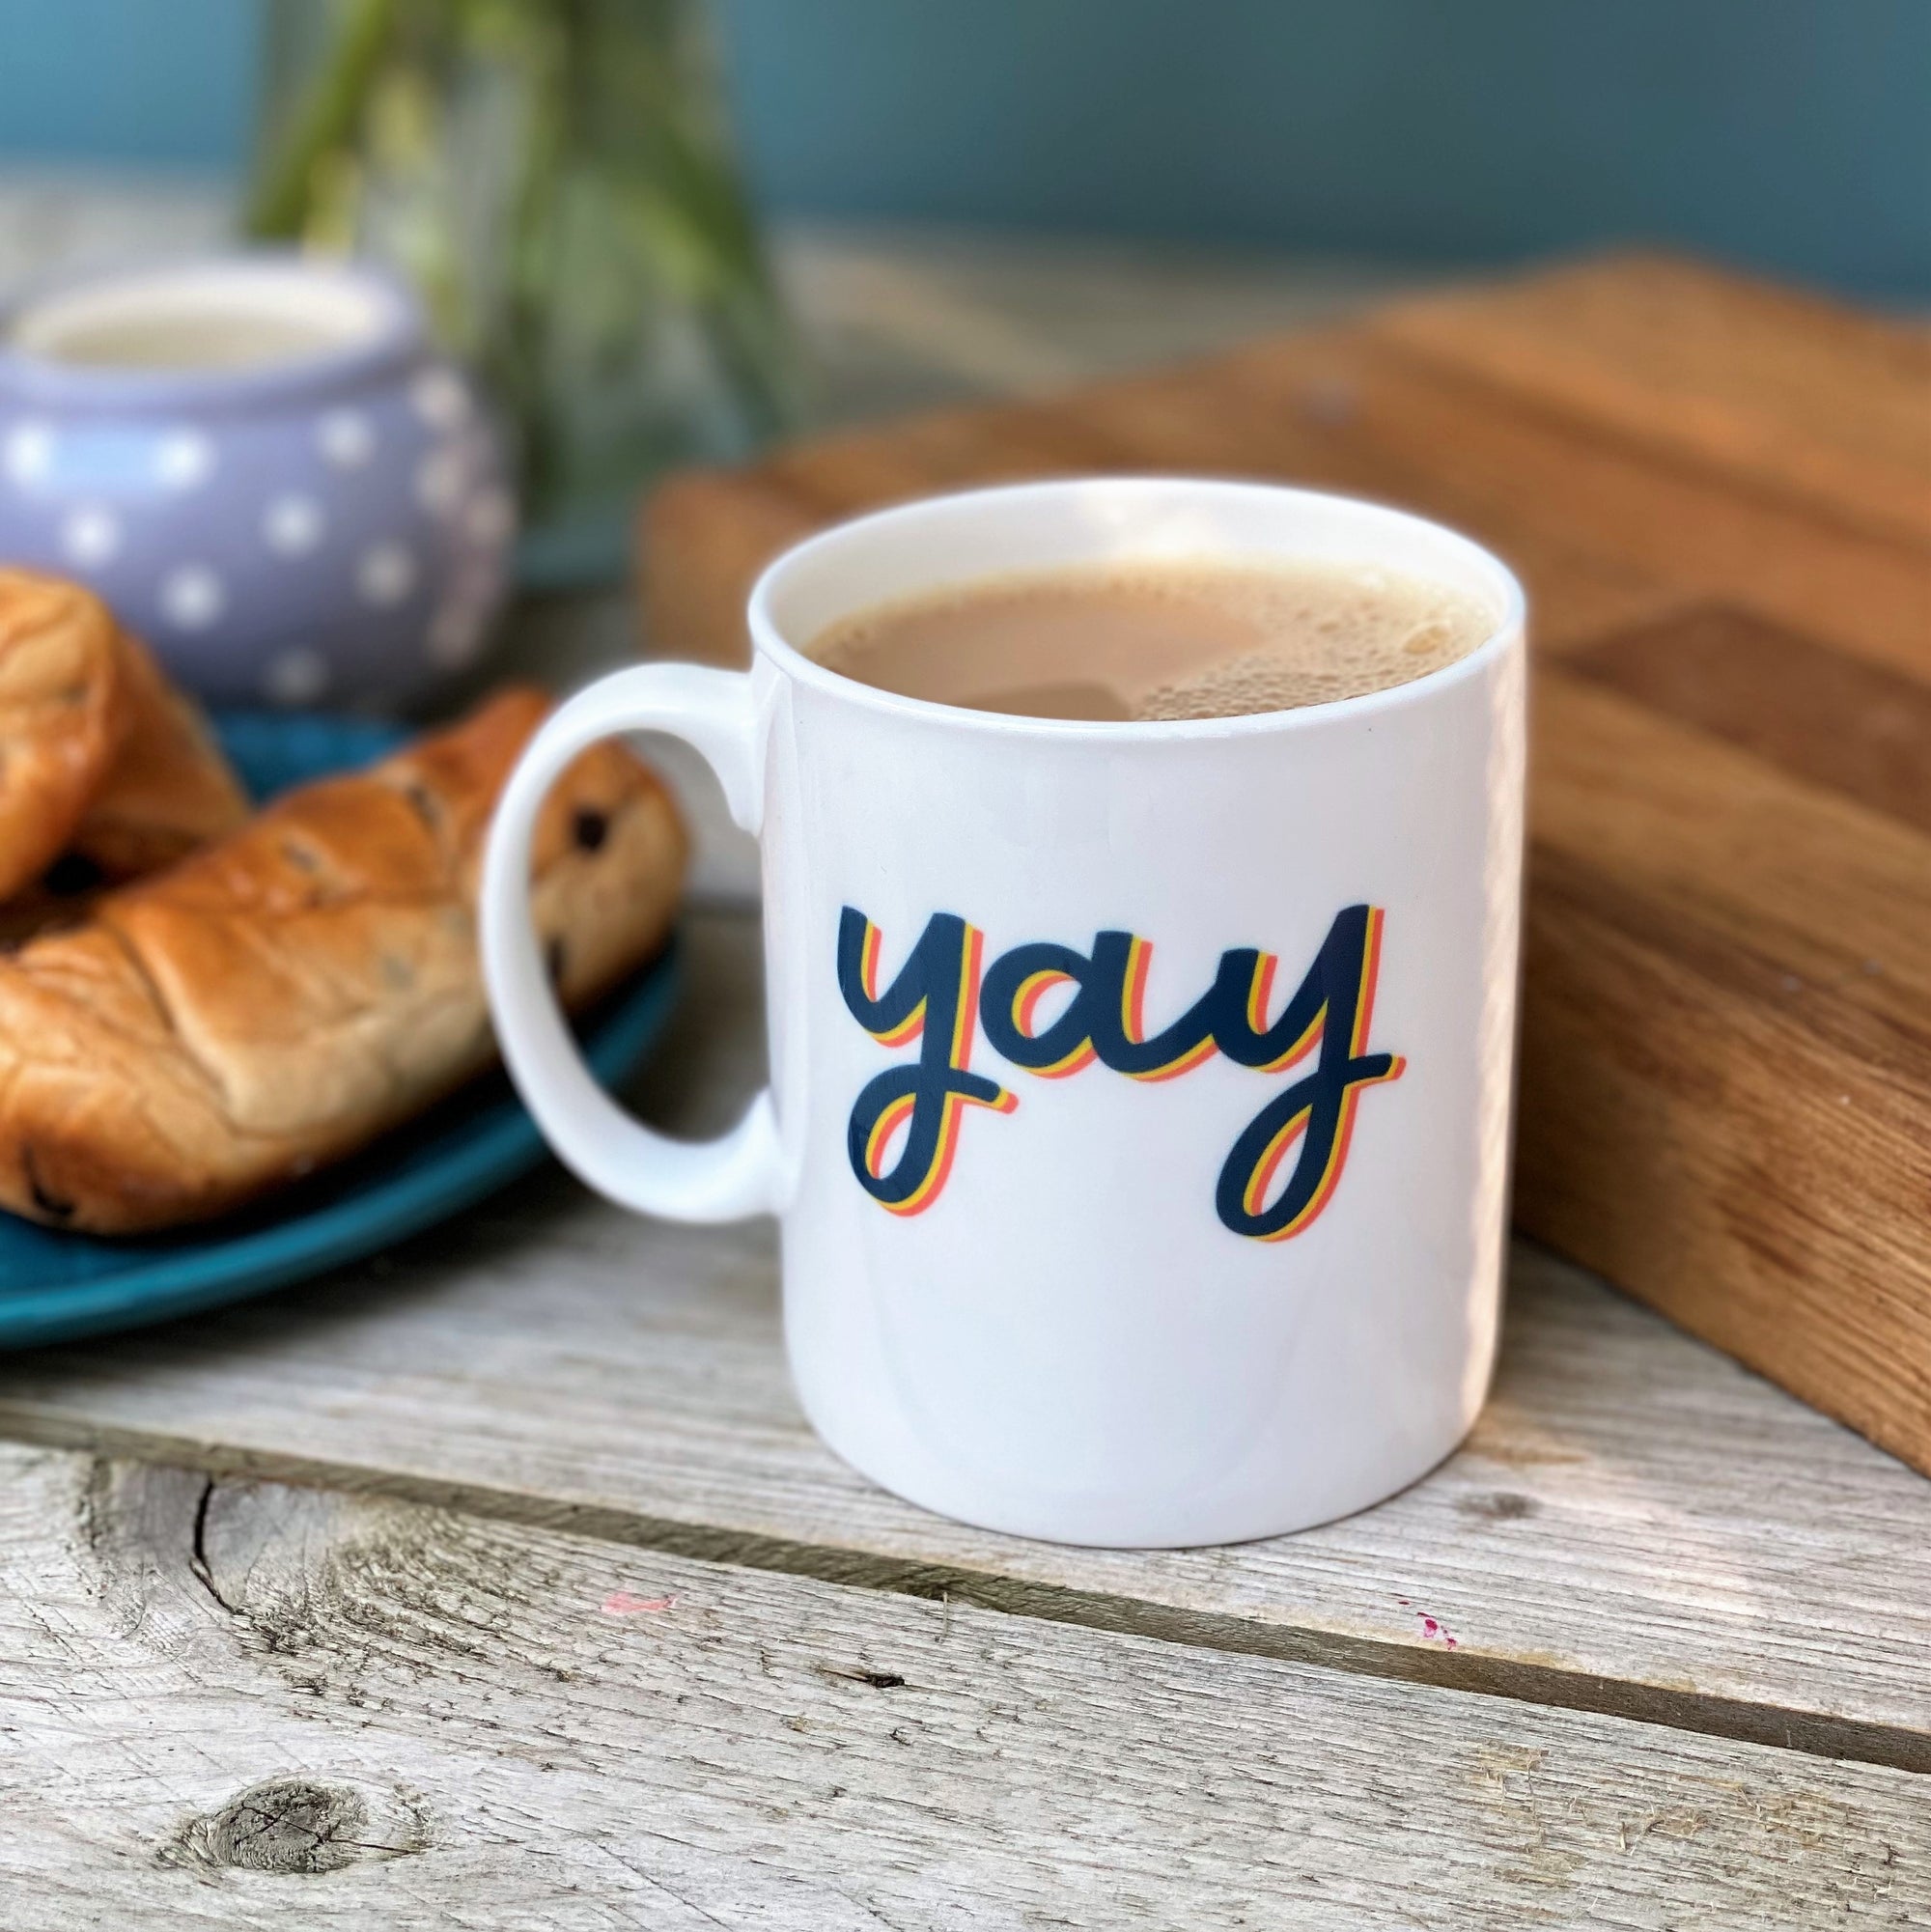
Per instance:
(264,468)
(1139,1113)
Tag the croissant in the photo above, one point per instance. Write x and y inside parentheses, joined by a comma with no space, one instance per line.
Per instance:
(283,996)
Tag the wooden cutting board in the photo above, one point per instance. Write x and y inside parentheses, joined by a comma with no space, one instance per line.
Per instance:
(1719,494)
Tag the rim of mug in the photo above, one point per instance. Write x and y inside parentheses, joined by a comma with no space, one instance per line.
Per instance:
(769,642)
(394,336)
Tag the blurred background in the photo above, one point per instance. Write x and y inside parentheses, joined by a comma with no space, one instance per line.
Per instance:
(666,230)
(1789,135)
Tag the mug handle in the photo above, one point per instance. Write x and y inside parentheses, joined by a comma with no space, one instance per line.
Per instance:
(718,1180)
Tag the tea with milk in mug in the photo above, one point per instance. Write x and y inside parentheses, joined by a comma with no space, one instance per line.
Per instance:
(1159,640)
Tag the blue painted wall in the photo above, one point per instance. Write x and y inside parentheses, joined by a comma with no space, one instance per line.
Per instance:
(1790,132)
(1794,134)
(126,81)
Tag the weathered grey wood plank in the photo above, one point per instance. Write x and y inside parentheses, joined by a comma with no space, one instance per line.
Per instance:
(239,1705)
(1636,1524)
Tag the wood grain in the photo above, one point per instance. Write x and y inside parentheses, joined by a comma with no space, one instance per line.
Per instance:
(1636,1524)
(1718,495)
(1770,389)
(243,1705)
(1828,719)
(1727,1057)
(1309,409)
(1604,530)
(230,1702)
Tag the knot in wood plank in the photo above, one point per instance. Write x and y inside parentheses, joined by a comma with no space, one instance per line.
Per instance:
(300,1826)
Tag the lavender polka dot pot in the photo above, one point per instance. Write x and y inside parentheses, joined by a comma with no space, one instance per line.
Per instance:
(265,468)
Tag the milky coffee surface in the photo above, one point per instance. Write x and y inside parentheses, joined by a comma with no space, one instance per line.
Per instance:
(1158,640)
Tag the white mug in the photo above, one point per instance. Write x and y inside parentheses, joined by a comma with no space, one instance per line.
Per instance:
(1139,1112)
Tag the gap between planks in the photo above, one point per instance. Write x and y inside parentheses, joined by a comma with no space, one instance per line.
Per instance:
(418,1718)
(1815,1733)
(266,1394)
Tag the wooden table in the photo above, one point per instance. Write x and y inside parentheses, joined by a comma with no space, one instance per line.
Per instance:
(499,1582)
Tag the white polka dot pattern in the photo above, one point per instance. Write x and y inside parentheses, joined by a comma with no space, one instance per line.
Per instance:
(439,398)
(29,449)
(91,537)
(193,597)
(455,635)
(296,677)
(346,438)
(491,517)
(441,477)
(184,460)
(370,523)
(292,525)
(387,573)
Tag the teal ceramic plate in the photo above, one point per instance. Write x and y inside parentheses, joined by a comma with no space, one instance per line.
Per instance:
(56,1287)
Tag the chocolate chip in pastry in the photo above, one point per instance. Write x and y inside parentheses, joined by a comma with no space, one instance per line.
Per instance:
(282,997)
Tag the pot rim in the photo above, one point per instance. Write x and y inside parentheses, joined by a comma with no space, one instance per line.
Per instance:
(378,323)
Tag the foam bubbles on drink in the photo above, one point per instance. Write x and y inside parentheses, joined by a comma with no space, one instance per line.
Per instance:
(1330,632)
(1150,640)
